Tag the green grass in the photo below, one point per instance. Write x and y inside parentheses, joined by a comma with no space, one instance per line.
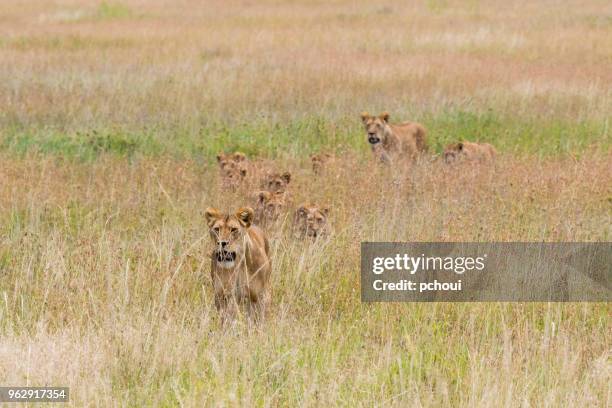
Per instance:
(540,136)
(113,10)
(69,43)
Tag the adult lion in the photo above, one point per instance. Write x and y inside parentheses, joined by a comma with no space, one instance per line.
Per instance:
(391,142)
(241,264)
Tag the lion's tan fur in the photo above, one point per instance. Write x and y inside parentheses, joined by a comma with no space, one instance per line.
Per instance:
(320,161)
(469,151)
(233,169)
(245,277)
(269,205)
(276,182)
(392,142)
(310,220)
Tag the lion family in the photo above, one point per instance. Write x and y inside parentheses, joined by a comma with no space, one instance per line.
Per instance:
(240,261)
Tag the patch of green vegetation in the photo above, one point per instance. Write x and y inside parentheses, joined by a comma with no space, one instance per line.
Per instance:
(542,136)
(436,6)
(597,21)
(80,145)
(64,43)
(113,10)
(301,137)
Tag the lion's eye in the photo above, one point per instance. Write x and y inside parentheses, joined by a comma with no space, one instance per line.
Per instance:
(234,230)
(216,230)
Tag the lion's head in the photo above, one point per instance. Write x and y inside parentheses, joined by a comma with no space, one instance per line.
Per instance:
(228,233)
(311,220)
(453,152)
(233,174)
(227,159)
(319,160)
(269,205)
(376,127)
(276,182)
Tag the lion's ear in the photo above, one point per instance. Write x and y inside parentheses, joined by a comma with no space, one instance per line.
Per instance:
(460,146)
(245,216)
(301,211)
(365,116)
(243,172)
(220,157)
(384,116)
(286,176)
(238,156)
(211,214)
(325,211)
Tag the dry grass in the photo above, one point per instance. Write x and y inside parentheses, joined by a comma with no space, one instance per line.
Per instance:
(106,288)
(116,109)
(175,62)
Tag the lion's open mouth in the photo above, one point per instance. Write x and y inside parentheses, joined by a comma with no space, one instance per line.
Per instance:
(225,256)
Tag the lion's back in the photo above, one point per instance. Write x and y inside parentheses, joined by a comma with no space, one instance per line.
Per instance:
(490,149)
(258,236)
(479,151)
(412,135)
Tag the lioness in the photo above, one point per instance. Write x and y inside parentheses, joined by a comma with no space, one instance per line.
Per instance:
(391,142)
(269,205)
(311,221)
(319,161)
(240,267)
(468,151)
(276,182)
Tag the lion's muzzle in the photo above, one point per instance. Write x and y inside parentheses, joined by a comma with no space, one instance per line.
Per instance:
(225,256)
(373,139)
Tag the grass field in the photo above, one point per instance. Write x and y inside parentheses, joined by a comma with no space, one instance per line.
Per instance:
(111,114)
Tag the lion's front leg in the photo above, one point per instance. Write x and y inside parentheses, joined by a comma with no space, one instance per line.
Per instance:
(258,305)
(225,301)
(257,310)
(227,307)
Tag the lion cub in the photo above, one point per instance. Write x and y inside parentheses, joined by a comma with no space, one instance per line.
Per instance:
(276,182)
(233,168)
(240,266)
(311,221)
(229,159)
(269,205)
(320,161)
(468,151)
(391,142)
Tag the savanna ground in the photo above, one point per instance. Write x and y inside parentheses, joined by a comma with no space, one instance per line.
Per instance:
(111,114)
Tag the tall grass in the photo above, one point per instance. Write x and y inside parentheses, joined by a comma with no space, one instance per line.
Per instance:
(106,287)
(299,138)
(112,112)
